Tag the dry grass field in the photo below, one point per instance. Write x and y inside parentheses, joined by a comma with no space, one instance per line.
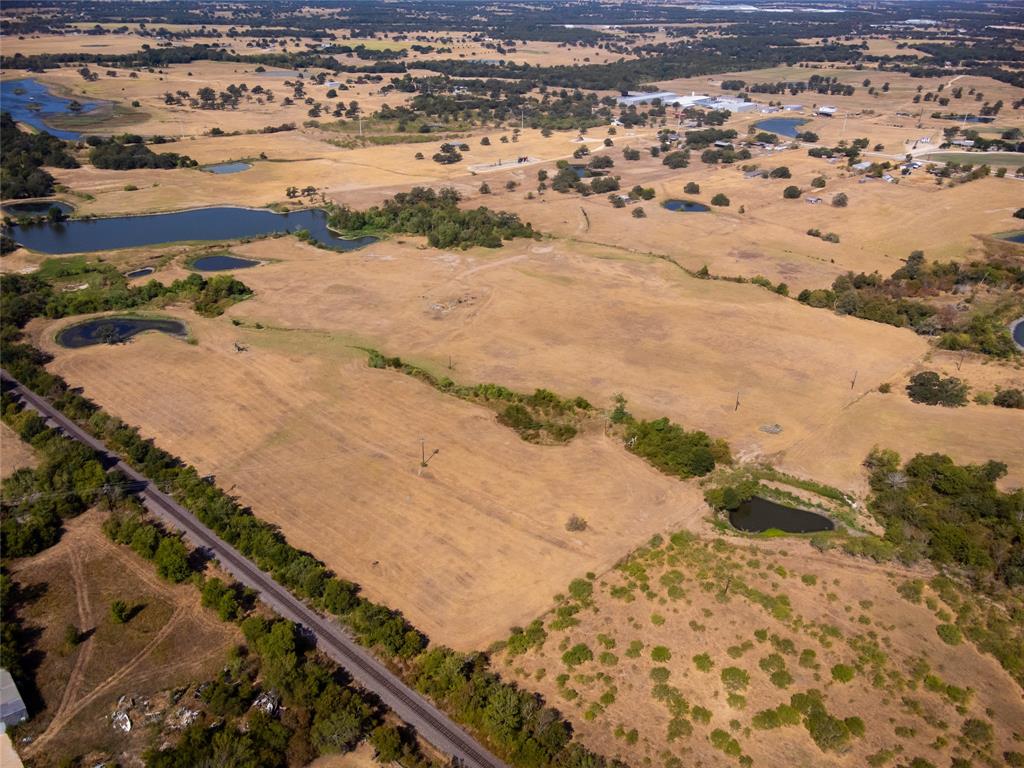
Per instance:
(169,643)
(780,616)
(14,454)
(327,448)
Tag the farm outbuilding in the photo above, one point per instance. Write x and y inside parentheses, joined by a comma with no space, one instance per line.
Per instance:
(12,706)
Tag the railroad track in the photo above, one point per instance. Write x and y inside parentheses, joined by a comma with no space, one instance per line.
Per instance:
(331,638)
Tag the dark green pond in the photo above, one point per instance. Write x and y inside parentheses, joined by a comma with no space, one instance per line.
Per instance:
(222,261)
(757,515)
(115,330)
(37,208)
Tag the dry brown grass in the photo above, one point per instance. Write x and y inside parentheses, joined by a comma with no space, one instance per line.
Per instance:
(14,454)
(329,449)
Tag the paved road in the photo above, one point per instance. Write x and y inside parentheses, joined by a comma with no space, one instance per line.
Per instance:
(428,720)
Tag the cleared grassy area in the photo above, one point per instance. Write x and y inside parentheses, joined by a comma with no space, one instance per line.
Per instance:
(1008,159)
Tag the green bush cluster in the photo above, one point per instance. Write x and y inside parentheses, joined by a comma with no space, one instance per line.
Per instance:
(422,211)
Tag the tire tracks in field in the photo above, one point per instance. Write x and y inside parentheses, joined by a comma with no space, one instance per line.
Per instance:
(66,714)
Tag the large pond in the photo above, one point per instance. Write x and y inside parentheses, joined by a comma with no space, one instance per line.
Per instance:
(783,126)
(757,515)
(115,330)
(222,261)
(686,206)
(1015,237)
(220,168)
(30,102)
(37,208)
(220,223)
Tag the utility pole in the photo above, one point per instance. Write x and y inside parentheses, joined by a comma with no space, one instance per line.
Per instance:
(737,402)
(424,459)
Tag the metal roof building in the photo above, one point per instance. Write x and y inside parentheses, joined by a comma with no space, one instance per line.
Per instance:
(668,98)
(12,707)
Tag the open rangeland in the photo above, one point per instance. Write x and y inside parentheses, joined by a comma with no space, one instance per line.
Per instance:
(169,643)
(300,428)
(329,449)
(676,656)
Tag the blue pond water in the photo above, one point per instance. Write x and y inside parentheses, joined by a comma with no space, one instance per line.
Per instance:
(115,330)
(37,208)
(1018,333)
(1016,237)
(227,167)
(30,102)
(220,223)
(222,261)
(141,272)
(686,206)
(579,170)
(783,126)
(756,515)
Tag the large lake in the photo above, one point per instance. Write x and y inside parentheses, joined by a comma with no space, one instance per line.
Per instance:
(30,102)
(220,223)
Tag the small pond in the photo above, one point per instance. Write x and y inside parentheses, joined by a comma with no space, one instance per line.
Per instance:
(783,126)
(218,223)
(115,330)
(686,206)
(1017,331)
(30,102)
(227,167)
(37,208)
(141,272)
(970,118)
(579,170)
(1015,237)
(757,515)
(222,261)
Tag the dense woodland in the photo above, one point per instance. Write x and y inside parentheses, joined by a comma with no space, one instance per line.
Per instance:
(23,157)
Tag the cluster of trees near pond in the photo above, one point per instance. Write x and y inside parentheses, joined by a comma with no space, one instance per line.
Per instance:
(953,514)
(23,157)
(515,723)
(901,300)
(422,211)
(28,296)
(129,152)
